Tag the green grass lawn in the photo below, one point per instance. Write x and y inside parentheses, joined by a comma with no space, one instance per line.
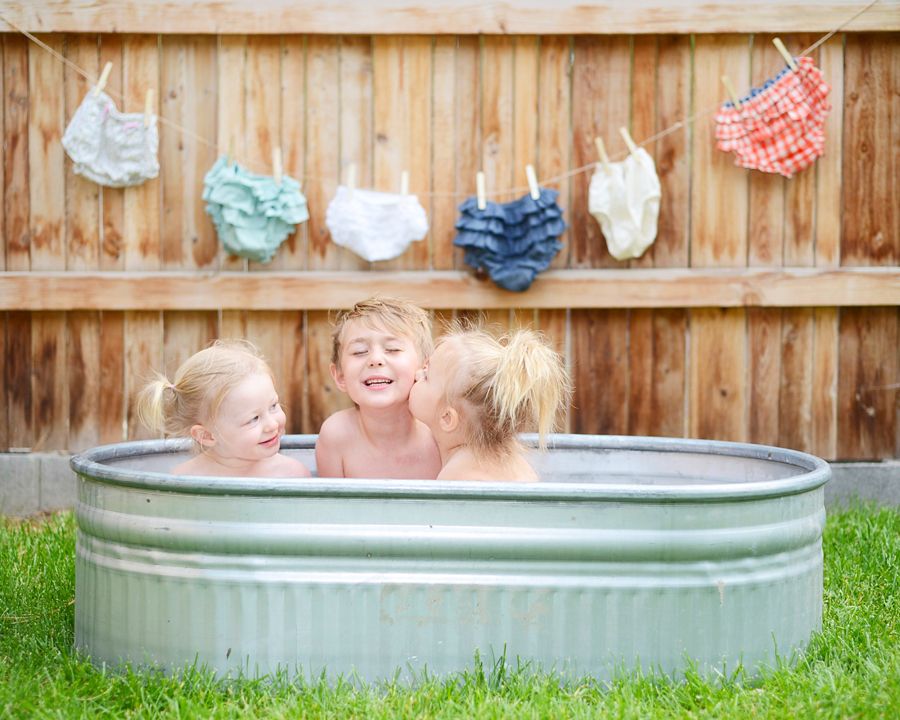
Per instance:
(851,670)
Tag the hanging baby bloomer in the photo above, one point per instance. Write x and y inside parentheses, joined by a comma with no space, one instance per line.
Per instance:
(253,214)
(512,241)
(375,225)
(778,128)
(624,198)
(109,147)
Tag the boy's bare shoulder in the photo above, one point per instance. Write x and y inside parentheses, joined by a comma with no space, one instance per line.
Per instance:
(340,425)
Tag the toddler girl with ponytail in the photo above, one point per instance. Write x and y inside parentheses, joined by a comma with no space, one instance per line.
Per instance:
(477,392)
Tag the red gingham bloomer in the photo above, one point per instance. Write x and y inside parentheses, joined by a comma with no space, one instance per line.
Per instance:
(779,127)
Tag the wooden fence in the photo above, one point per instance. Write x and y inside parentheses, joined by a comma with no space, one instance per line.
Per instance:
(766,310)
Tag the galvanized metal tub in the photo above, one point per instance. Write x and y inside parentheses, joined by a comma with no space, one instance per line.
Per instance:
(631,552)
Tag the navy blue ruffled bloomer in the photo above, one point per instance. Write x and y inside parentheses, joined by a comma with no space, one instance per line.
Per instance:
(512,241)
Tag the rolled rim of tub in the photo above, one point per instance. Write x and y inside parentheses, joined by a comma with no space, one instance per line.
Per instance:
(110,464)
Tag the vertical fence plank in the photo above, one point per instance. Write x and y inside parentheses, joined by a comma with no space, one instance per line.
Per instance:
(829,166)
(356,90)
(554,324)
(600,350)
(719,195)
(642,122)
(469,146)
(673,151)
(795,412)
(800,193)
(553,159)
(143,331)
(323,147)
(142,202)
(231,118)
(18,380)
(185,333)
(293,253)
(46,123)
(525,110)
(640,372)
(669,373)
(764,374)
(870,217)
(81,359)
(824,383)
(497,103)
(868,336)
(112,412)
(324,168)
(324,397)
(719,214)
(82,209)
(767,190)
(445,149)
(49,380)
(263,111)
(144,356)
(16,176)
(554,127)
(112,200)
(83,241)
(291,385)
(402,87)
(188,92)
(47,178)
(600,106)
(867,383)
(717,375)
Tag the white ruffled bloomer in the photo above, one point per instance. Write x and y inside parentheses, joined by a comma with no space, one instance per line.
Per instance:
(624,198)
(375,225)
(111,148)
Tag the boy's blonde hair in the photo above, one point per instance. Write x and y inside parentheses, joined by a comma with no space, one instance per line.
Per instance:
(201,384)
(506,385)
(401,317)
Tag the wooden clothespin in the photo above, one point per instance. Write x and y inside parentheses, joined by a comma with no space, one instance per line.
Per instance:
(230,155)
(779,46)
(104,76)
(276,165)
(351,177)
(731,93)
(601,151)
(148,106)
(532,182)
(632,148)
(479,189)
(404,182)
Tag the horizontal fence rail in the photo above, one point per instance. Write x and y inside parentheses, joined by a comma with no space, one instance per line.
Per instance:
(555,289)
(448,16)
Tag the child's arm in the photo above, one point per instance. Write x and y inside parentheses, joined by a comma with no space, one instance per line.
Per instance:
(329,462)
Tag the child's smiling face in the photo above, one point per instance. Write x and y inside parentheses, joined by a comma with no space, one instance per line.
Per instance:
(250,421)
(377,366)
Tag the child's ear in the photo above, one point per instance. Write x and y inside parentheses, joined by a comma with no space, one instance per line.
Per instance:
(338,377)
(449,419)
(203,437)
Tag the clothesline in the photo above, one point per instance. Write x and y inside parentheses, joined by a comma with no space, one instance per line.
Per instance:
(307,179)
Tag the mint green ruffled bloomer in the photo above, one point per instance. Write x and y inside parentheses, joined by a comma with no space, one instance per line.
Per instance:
(253,215)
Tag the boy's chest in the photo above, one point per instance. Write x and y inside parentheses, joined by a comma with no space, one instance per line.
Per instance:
(410,462)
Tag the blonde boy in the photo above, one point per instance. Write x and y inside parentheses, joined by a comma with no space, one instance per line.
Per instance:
(379,345)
